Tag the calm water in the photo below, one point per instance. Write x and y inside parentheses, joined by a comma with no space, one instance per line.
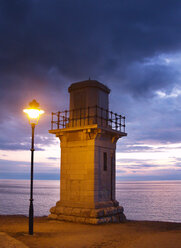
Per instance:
(155,200)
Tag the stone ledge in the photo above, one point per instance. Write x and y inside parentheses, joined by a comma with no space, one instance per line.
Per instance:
(87,212)
(88,215)
(95,221)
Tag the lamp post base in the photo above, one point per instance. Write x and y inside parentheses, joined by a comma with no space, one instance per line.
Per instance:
(31,213)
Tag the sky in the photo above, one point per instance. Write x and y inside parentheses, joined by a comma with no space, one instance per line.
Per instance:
(132,46)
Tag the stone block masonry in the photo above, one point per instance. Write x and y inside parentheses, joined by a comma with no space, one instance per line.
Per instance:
(87,215)
(88,147)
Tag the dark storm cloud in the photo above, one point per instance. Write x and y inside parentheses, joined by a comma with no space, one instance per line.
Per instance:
(83,37)
(46,45)
(15,134)
(143,79)
(16,146)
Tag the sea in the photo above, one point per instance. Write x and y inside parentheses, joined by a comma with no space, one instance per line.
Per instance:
(142,200)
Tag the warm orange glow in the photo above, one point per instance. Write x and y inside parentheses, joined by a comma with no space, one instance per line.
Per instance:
(33,112)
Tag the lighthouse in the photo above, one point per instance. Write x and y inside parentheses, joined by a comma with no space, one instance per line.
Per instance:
(88,133)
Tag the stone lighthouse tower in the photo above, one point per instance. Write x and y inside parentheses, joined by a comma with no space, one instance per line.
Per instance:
(88,133)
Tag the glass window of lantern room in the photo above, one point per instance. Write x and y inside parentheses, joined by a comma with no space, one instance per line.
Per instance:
(105,160)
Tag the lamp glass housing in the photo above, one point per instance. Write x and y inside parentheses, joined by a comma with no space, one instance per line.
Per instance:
(33,115)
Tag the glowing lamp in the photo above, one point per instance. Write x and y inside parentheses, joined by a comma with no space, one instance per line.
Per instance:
(33,112)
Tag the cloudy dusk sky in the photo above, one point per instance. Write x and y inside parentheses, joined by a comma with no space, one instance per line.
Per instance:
(133,47)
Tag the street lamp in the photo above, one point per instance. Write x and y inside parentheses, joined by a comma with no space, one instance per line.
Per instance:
(33,113)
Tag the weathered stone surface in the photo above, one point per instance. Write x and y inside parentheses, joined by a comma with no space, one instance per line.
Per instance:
(114,211)
(116,203)
(120,209)
(93,221)
(88,216)
(59,210)
(52,216)
(58,203)
(85,212)
(68,218)
(76,211)
(115,218)
(122,218)
(97,213)
(53,210)
(109,211)
(101,220)
(106,212)
(79,219)
(68,211)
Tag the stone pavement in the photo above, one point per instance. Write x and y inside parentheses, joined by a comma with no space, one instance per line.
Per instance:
(8,242)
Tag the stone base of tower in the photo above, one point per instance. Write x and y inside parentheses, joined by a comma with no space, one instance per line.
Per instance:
(88,215)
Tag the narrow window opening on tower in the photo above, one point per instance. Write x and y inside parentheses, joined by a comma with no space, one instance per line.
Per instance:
(105,161)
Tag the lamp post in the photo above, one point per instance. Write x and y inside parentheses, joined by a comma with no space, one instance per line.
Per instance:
(33,113)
